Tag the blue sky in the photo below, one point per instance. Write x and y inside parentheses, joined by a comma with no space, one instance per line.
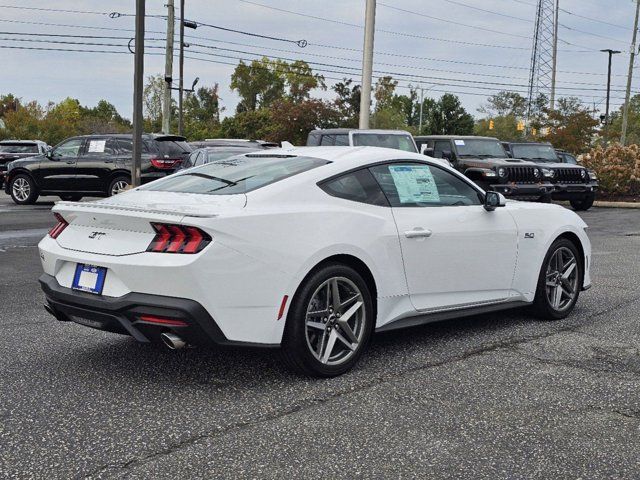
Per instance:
(443,62)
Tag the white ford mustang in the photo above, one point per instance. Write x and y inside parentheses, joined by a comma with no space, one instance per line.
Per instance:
(310,249)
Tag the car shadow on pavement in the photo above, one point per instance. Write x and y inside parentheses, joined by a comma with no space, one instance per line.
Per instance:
(220,367)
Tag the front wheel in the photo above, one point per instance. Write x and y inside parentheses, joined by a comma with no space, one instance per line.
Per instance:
(119,185)
(559,282)
(329,322)
(583,204)
(23,190)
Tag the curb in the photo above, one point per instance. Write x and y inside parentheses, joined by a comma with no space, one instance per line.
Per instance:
(602,203)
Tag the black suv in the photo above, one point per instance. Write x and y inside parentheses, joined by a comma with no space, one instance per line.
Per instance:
(484,160)
(92,165)
(11,150)
(570,182)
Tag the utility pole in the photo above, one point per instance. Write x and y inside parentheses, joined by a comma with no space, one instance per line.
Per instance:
(168,69)
(421,102)
(632,52)
(138,88)
(554,61)
(606,114)
(181,84)
(367,63)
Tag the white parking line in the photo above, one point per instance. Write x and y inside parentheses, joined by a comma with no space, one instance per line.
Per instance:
(30,233)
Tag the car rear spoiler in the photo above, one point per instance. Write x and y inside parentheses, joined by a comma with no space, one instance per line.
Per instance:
(103,207)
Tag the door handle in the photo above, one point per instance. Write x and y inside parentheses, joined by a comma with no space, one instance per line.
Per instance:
(418,232)
(70,162)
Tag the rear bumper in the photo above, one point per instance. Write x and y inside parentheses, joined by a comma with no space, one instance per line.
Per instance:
(523,189)
(123,315)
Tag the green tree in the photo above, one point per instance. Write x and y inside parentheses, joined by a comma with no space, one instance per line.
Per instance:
(504,104)
(258,84)
(347,102)
(202,113)
(152,103)
(447,116)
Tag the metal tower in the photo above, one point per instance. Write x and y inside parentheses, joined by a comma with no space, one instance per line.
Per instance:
(542,54)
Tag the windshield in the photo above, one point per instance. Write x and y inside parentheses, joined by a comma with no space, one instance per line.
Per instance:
(19,148)
(235,175)
(386,140)
(545,153)
(479,148)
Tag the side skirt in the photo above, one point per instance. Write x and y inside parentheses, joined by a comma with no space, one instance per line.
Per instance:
(422,319)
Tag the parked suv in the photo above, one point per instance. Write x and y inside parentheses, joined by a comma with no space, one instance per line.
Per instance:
(93,165)
(11,150)
(571,182)
(484,160)
(352,137)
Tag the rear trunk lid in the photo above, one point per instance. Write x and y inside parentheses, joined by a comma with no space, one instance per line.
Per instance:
(121,225)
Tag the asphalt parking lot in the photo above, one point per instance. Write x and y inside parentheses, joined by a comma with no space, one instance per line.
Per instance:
(493,396)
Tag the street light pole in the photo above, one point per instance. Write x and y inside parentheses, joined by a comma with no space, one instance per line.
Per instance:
(168,69)
(367,63)
(138,88)
(181,84)
(632,52)
(606,114)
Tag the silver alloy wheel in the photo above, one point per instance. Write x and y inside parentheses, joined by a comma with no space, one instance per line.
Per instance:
(119,187)
(21,189)
(562,279)
(335,321)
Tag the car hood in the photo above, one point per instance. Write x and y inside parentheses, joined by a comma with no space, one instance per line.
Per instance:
(25,160)
(500,162)
(555,164)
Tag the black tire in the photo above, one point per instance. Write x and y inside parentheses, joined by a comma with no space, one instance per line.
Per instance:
(71,197)
(583,204)
(298,337)
(23,189)
(119,180)
(542,306)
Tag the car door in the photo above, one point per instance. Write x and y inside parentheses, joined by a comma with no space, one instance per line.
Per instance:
(456,254)
(57,170)
(96,163)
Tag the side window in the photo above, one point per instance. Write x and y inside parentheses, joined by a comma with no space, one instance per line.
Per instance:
(125,147)
(359,186)
(102,147)
(342,140)
(568,158)
(70,148)
(328,140)
(313,139)
(441,146)
(422,185)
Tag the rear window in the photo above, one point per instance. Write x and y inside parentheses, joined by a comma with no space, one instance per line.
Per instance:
(174,148)
(235,175)
(19,148)
(397,142)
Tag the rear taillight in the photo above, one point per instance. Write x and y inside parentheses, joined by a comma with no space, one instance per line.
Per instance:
(178,239)
(59,227)
(165,163)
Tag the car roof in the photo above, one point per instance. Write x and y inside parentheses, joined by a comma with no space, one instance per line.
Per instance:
(331,131)
(451,137)
(342,154)
(22,142)
(146,136)
(530,143)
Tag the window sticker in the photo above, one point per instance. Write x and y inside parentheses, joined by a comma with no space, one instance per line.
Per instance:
(97,146)
(415,184)
(460,143)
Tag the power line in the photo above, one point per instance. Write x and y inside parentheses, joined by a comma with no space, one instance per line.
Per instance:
(300,43)
(485,89)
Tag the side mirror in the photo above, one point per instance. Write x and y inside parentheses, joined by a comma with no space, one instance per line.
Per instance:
(493,200)
(447,154)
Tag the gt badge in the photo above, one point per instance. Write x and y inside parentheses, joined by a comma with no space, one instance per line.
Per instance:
(96,235)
